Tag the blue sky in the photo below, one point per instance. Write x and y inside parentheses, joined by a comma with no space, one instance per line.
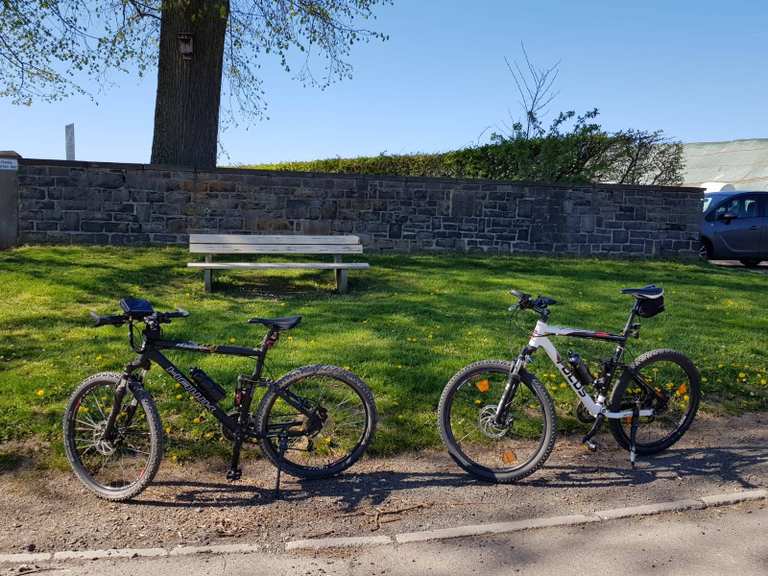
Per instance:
(695,69)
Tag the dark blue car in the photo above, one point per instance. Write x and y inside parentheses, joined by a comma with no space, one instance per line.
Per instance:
(735,227)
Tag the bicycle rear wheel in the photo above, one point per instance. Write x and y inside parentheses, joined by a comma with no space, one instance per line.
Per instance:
(669,383)
(121,467)
(346,420)
(490,451)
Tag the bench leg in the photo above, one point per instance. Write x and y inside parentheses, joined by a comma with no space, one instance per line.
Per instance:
(208,275)
(341,276)
(341,280)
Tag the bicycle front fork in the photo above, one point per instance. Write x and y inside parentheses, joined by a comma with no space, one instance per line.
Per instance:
(512,384)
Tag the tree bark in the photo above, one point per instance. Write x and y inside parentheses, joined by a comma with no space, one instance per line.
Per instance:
(189,89)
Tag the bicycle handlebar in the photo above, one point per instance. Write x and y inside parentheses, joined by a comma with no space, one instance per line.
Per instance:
(120,319)
(117,320)
(538,304)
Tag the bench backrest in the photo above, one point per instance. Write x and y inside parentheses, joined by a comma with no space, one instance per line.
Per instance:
(257,244)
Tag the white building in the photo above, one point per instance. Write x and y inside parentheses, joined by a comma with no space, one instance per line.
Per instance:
(740,163)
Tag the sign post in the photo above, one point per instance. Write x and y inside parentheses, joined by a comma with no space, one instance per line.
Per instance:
(9,199)
(69,136)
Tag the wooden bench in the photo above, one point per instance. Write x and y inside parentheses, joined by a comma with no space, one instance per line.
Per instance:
(213,244)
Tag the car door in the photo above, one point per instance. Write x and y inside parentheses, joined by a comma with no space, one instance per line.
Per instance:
(741,236)
(764,226)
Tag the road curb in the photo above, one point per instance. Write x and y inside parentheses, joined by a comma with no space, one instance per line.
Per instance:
(734,497)
(650,509)
(711,501)
(496,528)
(352,542)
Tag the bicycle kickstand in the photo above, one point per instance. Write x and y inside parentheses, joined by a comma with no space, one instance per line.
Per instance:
(282,446)
(235,472)
(633,434)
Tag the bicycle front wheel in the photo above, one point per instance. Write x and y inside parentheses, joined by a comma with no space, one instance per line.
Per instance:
(668,382)
(120,467)
(331,430)
(489,450)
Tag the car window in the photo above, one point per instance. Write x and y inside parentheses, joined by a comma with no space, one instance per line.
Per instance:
(710,198)
(743,207)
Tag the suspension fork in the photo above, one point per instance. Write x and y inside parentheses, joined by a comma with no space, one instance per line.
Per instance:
(513,382)
(127,382)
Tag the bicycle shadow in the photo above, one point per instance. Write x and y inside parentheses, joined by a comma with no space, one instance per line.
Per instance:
(349,490)
(729,464)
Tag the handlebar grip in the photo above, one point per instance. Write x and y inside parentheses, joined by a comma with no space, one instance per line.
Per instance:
(165,317)
(107,320)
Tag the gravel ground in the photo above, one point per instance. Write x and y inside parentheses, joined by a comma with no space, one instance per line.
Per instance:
(193,504)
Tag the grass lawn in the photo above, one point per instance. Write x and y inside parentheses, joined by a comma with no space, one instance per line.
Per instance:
(406,326)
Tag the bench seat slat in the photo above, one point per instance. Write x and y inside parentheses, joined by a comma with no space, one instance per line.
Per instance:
(228,239)
(278,265)
(275,249)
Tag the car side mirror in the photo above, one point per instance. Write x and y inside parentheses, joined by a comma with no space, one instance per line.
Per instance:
(727,217)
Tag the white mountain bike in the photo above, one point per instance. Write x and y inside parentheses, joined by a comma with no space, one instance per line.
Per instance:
(498,420)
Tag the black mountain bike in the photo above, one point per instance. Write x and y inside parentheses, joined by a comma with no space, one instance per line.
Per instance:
(313,422)
(498,420)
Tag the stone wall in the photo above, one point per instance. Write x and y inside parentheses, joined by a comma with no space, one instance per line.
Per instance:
(104,203)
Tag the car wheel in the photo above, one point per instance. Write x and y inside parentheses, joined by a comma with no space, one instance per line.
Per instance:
(705,249)
(750,262)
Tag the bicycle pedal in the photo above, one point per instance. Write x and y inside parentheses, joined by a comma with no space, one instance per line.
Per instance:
(591,446)
(233,475)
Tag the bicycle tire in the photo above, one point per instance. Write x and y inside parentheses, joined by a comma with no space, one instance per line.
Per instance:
(293,379)
(155,431)
(693,391)
(480,471)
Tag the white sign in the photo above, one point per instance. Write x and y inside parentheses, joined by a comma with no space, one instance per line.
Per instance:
(9,164)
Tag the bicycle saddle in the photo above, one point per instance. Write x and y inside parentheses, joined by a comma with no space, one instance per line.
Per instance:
(277,323)
(650,291)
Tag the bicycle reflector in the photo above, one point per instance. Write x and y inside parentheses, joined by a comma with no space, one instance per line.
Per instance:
(483,385)
(508,457)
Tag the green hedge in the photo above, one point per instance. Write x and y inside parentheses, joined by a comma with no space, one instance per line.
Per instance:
(569,158)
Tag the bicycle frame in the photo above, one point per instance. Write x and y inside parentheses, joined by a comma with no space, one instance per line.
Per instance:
(540,339)
(150,352)
(595,406)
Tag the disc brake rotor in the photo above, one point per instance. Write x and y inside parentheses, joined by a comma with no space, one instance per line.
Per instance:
(486,421)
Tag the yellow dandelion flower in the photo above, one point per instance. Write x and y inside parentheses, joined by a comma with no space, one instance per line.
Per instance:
(179,396)
(742,375)
(40,392)
(231,339)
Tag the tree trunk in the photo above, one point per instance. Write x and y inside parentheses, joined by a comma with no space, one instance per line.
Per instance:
(189,88)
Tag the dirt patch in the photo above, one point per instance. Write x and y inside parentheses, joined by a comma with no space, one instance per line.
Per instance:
(193,504)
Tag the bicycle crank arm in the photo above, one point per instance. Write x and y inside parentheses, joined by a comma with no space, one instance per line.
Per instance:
(594,430)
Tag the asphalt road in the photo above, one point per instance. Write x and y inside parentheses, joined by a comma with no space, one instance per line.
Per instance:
(711,542)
